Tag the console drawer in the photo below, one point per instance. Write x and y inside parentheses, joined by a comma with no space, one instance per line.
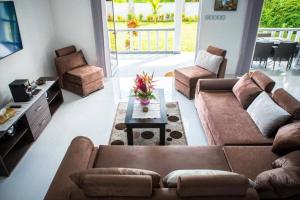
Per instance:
(35,111)
(39,124)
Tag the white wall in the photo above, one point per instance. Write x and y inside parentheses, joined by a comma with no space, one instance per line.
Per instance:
(226,34)
(36,59)
(73,24)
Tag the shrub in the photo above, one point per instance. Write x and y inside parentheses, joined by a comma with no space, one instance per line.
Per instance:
(150,18)
(168,17)
(120,18)
(109,17)
(131,16)
(172,16)
(161,18)
(141,17)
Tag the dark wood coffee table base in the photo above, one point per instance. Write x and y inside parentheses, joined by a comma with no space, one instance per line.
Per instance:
(162,131)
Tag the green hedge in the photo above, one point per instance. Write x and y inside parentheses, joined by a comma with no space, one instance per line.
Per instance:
(281,14)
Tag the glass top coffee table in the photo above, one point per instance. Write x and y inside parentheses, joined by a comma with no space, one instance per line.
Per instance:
(157,116)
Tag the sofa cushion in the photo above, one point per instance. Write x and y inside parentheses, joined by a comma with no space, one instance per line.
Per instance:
(171,179)
(69,62)
(212,185)
(287,102)
(246,91)
(162,160)
(208,61)
(287,139)
(77,177)
(226,121)
(190,75)
(95,185)
(278,183)
(263,81)
(267,115)
(290,160)
(249,160)
(65,51)
(84,75)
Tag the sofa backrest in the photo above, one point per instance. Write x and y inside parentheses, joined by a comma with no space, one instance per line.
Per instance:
(219,52)
(65,51)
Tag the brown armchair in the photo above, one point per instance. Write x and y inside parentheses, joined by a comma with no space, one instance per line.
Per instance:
(75,74)
(186,78)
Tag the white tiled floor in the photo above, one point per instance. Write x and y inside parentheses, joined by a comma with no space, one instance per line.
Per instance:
(93,117)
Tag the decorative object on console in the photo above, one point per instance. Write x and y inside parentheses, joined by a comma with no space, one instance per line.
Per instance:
(267,115)
(143,88)
(75,74)
(21,90)
(6,114)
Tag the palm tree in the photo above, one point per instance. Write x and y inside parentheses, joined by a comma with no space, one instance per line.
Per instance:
(155,7)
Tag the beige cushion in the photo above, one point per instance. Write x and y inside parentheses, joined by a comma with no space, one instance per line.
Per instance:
(208,61)
(287,139)
(78,176)
(246,91)
(171,179)
(267,115)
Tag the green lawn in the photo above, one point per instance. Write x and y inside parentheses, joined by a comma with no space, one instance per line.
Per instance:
(188,36)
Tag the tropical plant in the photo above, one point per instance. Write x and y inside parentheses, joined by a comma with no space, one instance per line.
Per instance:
(155,4)
(143,87)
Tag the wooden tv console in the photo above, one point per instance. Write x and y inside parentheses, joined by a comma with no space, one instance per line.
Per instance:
(29,122)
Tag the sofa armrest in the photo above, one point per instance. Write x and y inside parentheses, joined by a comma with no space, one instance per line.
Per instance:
(212,185)
(215,84)
(77,157)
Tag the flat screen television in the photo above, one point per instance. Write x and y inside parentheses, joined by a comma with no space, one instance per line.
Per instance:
(10,38)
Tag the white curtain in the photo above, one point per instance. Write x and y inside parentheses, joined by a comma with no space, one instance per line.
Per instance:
(249,36)
(101,35)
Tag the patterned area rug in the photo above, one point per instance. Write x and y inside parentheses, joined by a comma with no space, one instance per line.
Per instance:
(175,134)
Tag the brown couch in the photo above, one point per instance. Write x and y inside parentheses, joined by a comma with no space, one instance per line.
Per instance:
(75,74)
(224,120)
(186,78)
(82,154)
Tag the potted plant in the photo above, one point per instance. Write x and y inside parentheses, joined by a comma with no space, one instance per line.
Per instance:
(143,88)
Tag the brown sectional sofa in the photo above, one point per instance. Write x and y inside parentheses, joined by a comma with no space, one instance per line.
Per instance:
(223,118)
(82,154)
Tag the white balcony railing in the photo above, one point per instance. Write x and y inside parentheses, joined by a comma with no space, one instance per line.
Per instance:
(144,40)
(292,34)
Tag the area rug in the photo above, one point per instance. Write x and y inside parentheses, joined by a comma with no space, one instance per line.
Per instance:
(175,134)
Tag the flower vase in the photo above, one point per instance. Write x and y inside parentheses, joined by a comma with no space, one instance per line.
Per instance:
(144,102)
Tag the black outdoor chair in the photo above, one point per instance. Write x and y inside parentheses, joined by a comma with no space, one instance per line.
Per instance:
(284,51)
(263,51)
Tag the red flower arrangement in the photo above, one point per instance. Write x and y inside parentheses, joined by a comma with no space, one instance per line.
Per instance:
(143,88)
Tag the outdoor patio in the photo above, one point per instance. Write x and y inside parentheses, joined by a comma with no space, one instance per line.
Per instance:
(159,64)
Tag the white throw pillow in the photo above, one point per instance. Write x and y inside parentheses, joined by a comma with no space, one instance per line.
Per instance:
(208,61)
(171,179)
(267,115)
